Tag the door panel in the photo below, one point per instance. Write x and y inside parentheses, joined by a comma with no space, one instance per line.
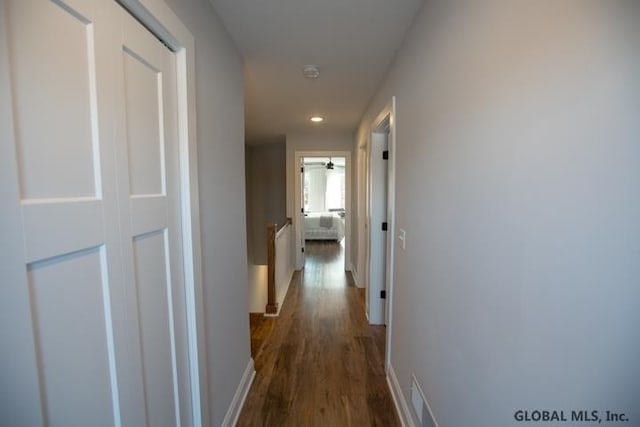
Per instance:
(59,176)
(67,297)
(149,196)
(153,287)
(143,89)
(61,68)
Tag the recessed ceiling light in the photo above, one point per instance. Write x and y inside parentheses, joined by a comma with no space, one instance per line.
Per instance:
(316,119)
(311,71)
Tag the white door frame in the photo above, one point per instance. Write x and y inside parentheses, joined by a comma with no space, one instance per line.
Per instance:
(387,112)
(298,226)
(377,204)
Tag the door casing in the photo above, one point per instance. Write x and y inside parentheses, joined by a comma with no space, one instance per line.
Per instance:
(377,214)
(385,121)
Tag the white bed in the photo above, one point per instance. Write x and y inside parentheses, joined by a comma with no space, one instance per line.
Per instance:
(323,226)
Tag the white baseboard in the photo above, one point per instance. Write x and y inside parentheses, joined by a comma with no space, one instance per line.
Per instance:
(284,297)
(398,399)
(231,419)
(354,274)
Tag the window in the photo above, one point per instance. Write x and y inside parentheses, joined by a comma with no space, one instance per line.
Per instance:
(324,189)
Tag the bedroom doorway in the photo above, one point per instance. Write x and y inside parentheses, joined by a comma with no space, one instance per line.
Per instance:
(323,198)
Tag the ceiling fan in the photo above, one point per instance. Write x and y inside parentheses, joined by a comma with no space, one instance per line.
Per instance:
(330,164)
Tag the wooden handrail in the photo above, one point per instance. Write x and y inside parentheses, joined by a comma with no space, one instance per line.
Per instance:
(284,224)
(272,230)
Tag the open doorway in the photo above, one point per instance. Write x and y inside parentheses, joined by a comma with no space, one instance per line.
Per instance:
(323,198)
(324,208)
(380,233)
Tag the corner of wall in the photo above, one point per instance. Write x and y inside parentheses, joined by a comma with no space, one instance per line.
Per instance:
(354,274)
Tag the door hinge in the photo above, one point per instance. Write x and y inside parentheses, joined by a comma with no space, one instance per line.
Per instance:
(301,210)
(302,249)
(302,170)
(385,155)
(384,226)
(383,294)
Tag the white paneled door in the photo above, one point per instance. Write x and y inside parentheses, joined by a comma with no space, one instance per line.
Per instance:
(92,293)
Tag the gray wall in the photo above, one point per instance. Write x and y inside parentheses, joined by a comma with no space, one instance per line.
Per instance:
(518,184)
(220,111)
(266,195)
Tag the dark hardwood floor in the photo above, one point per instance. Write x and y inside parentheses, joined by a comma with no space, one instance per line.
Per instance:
(320,363)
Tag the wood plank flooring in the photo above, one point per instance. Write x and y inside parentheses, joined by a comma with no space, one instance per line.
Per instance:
(320,363)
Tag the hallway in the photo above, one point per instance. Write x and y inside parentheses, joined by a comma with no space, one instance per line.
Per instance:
(320,363)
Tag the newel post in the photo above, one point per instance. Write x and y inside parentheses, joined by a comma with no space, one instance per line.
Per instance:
(272,304)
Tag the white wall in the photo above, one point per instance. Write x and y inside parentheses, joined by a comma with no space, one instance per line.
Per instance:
(518,177)
(258,288)
(220,111)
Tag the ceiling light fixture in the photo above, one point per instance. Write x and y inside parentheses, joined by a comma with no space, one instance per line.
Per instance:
(311,71)
(330,164)
(316,119)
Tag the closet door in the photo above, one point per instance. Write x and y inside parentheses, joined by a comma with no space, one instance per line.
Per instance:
(149,199)
(65,263)
(92,293)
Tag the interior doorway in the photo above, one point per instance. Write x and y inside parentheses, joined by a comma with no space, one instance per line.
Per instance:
(380,223)
(323,200)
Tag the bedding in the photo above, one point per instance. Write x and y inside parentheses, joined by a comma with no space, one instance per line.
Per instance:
(323,226)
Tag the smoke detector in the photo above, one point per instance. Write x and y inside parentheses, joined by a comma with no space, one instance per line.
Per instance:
(311,71)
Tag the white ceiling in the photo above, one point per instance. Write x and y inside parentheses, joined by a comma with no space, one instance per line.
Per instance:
(351,41)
